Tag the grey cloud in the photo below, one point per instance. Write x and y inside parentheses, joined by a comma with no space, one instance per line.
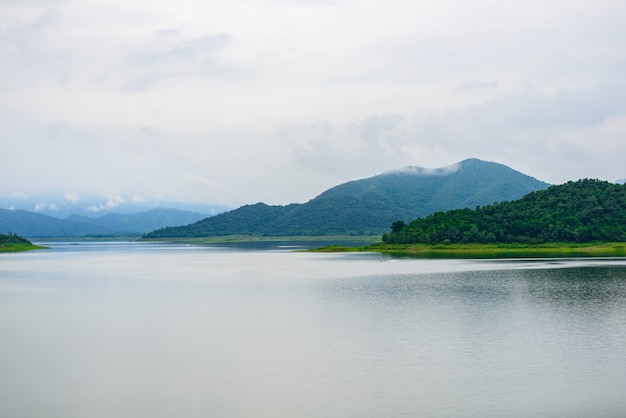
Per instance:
(376,127)
(24,56)
(538,86)
(373,144)
(150,131)
(552,133)
(202,45)
(140,82)
(478,85)
(186,56)
(532,107)
(182,56)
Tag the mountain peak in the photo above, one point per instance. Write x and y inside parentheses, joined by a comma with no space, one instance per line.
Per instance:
(441,171)
(369,206)
(423,171)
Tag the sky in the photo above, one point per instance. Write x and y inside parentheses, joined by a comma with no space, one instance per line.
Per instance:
(233,102)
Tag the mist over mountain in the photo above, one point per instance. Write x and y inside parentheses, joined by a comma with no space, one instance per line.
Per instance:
(30,224)
(369,206)
(63,205)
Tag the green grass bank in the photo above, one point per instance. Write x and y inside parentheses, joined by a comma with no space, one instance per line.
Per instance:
(557,249)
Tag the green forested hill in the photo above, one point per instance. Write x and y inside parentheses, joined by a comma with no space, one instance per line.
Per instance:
(6,239)
(582,211)
(13,242)
(368,206)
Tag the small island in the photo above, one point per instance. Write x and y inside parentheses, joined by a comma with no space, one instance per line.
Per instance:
(13,243)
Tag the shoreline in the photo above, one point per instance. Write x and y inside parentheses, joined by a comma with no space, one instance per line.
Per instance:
(611,249)
(20,248)
(227,239)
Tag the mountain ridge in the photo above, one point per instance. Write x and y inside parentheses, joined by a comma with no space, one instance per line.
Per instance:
(368,206)
(31,224)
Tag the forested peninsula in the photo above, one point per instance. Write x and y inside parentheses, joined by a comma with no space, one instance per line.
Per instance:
(585,211)
(13,242)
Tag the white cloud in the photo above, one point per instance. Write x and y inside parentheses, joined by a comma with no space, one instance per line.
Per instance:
(72,197)
(18,195)
(43,206)
(113,200)
(425,171)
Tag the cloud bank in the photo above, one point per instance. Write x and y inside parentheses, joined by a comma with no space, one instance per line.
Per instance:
(230,103)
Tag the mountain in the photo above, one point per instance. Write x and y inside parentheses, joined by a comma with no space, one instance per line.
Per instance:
(582,211)
(369,206)
(141,222)
(30,224)
(60,206)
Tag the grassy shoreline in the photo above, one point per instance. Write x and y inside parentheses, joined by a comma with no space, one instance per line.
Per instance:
(228,239)
(14,248)
(556,249)
(11,243)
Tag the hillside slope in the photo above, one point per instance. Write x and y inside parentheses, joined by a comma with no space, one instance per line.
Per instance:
(582,211)
(369,206)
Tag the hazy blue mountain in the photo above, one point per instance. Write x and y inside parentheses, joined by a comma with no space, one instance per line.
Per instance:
(141,222)
(58,205)
(369,206)
(30,224)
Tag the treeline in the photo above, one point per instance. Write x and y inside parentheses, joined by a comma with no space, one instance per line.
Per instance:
(13,239)
(582,211)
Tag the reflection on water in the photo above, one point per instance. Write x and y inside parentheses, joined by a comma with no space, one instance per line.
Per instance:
(130,329)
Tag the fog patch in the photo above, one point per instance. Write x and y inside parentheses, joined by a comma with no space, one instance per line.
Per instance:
(426,172)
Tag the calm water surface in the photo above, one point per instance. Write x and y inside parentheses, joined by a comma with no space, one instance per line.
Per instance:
(145,330)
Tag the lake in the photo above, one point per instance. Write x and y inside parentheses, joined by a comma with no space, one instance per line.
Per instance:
(156,330)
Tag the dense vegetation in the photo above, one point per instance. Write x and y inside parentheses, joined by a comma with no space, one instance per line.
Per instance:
(368,206)
(582,211)
(12,239)
(13,242)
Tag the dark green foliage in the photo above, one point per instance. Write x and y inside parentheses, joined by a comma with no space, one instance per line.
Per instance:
(369,206)
(582,211)
(11,239)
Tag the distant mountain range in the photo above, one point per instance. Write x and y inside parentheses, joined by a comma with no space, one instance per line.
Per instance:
(369,206)
(62,205)
(36,225)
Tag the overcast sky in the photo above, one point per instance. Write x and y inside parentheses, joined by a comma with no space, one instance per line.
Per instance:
(234,102)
